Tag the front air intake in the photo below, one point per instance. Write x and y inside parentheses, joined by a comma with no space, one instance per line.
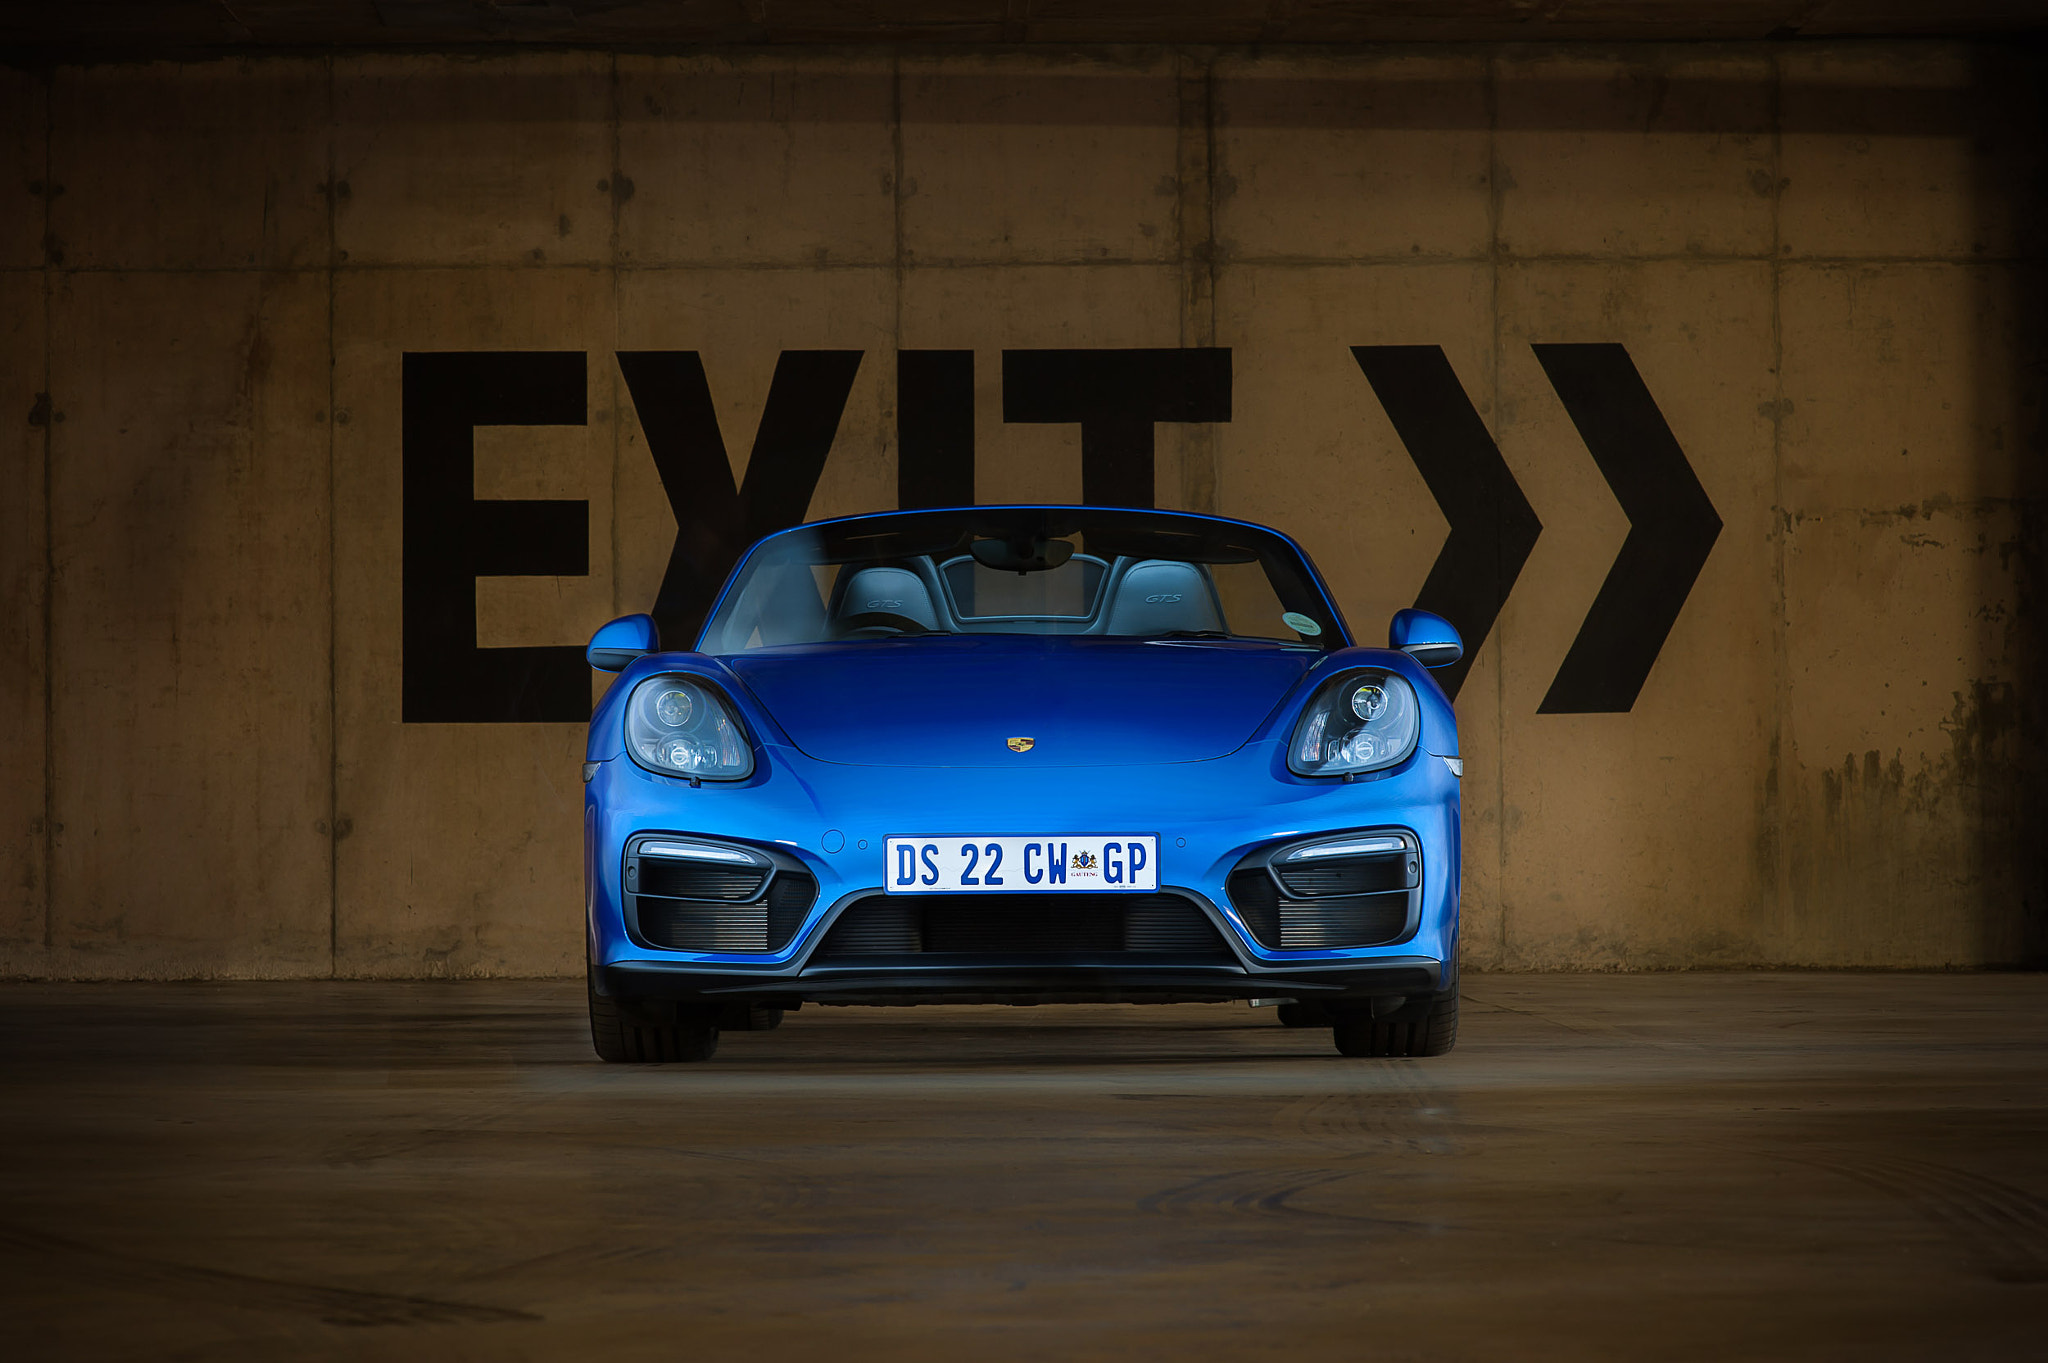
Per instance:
(682,903)
(1361,875)
(698,880)
(1024,928)
(1320,903)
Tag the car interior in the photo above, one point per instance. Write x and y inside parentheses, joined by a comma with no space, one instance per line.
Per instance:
(1085,595)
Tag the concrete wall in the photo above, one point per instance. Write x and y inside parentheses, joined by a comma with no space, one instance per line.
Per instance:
(1817,259)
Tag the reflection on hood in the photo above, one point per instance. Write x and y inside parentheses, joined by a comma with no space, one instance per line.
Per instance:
(954,701)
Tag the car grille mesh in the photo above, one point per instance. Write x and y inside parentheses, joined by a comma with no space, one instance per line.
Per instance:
(1348,876)
(1023,925)
(683,925)
(708,923)
(789,899)
(1359,902)
(699,880)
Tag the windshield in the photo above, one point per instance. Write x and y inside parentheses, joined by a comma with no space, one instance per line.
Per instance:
(1023,570)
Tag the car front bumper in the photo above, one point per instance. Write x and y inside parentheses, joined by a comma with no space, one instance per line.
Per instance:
(1208,817)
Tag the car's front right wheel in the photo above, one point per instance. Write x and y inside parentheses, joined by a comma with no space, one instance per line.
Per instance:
(1426,1024)
(647,1033)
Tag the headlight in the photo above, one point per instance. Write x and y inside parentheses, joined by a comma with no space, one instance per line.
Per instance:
(678,728)
(1361,721)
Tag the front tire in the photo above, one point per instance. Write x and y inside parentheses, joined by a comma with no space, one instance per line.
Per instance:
(647,1033)
(1424,1025)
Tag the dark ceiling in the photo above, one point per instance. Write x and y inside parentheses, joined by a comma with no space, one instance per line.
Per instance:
(168,25)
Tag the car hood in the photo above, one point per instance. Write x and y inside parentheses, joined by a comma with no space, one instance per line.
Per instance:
(956,701)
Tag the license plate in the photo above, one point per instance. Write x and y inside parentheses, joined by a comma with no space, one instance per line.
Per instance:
(1023,865)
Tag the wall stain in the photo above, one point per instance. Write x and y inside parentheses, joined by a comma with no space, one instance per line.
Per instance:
(1918,856)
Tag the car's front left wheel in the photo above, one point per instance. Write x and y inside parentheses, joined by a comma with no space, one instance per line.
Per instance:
(654,1033)
(1426,1024)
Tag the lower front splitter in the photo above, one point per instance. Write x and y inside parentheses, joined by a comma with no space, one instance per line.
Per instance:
(1014,983)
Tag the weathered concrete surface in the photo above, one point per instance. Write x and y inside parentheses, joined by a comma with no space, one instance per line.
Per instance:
(1823,261)
(1677,778)
(473,162)
(24,554)
(24,583)
(1732,1166)
(451,838)
(183,166)
(25,154)
(189,623)
(252,26)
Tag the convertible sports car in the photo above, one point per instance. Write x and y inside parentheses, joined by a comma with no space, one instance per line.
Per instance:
(1035,754)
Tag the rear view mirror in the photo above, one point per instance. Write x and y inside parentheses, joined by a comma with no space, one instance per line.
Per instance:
(1429,639)
(616,645)
(1024,556)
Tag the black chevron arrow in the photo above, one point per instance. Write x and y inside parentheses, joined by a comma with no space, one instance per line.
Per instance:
(1493,527)
(1672,528)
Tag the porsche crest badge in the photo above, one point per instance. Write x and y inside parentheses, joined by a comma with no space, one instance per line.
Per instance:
(1022,744)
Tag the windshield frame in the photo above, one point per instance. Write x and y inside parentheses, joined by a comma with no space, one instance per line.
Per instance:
(916,530)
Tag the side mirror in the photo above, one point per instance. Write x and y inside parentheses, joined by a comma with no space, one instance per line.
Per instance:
(614,647)
(1429,639)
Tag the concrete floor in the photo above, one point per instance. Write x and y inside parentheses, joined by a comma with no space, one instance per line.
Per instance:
(1675,1167)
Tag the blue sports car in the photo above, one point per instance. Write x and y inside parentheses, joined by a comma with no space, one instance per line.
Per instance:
(1022,754)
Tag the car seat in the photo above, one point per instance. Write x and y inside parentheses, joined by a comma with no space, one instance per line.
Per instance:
(1159,596)
(896,591)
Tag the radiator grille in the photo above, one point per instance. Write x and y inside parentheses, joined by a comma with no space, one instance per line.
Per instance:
(684,925)
(702,923)
(1349,875)
(675,879)
(1284,924)
(1023,925)
(789,899)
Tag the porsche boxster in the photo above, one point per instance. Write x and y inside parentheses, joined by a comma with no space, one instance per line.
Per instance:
(1020,755)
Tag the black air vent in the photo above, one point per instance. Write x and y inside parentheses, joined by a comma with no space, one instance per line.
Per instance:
(877,926)
(1166,922)
(1023,926)
(686,905)
(1332,918)
(692,925)
(1257,900)
(789,899)
(698,879)
(1349,875)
